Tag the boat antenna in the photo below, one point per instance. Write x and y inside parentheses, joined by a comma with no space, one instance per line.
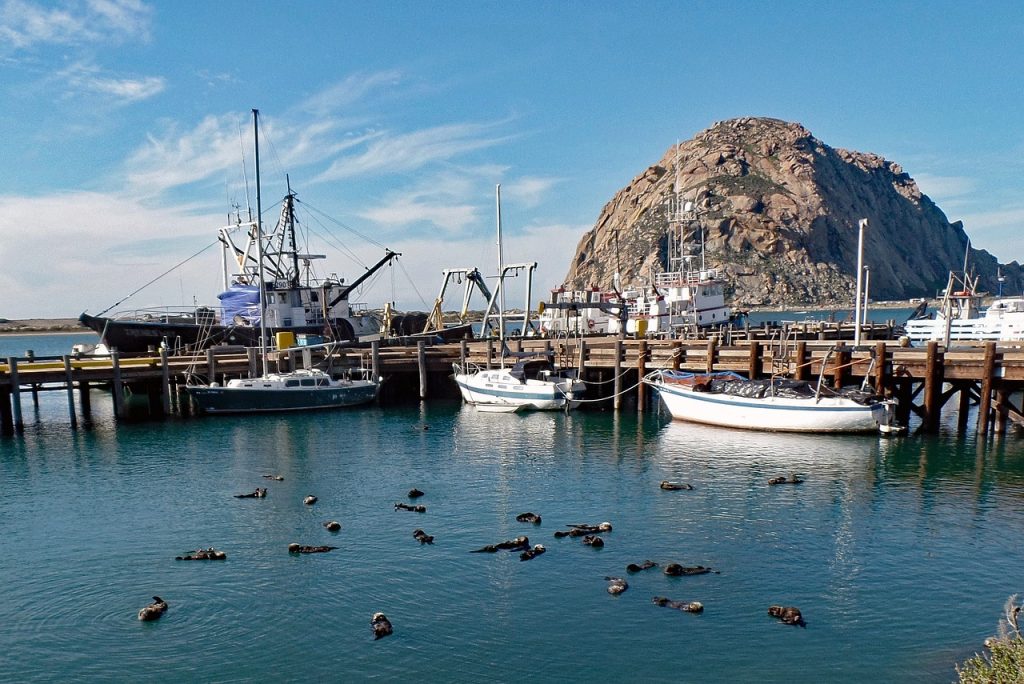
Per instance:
(259,241)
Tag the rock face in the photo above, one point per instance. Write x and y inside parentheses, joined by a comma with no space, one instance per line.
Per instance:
(779,211)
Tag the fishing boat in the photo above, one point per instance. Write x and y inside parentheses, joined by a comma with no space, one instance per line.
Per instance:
(581,312)
(298,390)
(776,404)
(533,381)
(296,299)
(960,316)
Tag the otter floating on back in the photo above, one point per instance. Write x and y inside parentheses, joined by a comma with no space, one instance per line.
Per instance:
(309,500)
(517,544)
(279,478)
(530,554)
(422,537)
(418,508)
(674,486)
(332,525)
(415,493)
(677,570)
(528,518)
(154,610)
(203,554)
(381,626)
(646,565)
(616,585)
(788,615)
(258,494)
(782,479)
(685,606)
(299,548)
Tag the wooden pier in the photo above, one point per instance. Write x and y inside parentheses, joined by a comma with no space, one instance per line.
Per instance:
(921,380)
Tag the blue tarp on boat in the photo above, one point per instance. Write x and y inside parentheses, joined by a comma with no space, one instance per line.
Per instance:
(240,305)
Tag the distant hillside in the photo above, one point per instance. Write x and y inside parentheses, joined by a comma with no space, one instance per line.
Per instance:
(780,209)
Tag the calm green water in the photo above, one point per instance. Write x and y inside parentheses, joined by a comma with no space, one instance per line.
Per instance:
(900,553)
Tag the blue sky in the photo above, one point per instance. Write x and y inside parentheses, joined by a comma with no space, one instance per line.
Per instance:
(123,124)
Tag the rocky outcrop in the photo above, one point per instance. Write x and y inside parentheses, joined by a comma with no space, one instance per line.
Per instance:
(778,210)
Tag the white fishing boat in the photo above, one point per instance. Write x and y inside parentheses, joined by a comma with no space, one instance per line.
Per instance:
(533,381)
(298,390)
(580,312)
(729,400)
(960,316)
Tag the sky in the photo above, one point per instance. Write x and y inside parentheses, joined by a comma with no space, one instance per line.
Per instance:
(126,134)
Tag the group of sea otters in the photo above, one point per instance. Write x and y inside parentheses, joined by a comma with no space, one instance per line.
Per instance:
(382,627)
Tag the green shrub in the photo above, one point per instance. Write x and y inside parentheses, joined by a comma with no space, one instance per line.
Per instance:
(1004,663)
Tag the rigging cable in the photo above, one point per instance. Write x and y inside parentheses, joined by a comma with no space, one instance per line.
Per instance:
(172,268)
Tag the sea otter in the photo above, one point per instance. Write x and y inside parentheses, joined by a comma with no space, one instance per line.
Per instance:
(782,479)
(528,518)
(422,537)
(616,585)
(279,478)
(646,565)
(593,540)
(381,626)
(418,508)
(674,486)
(583,530)
(685,606)
(203,554)
(154,610)
(298,548)
(258,494)
(532,553)
(332,525)
(787,614)
(677,570)
(414,493)
(517,544)
(309,500)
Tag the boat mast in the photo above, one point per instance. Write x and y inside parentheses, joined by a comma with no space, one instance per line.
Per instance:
(501,274)
(259,242)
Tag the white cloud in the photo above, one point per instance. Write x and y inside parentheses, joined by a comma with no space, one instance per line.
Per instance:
(403,211)
(945,189)
(26,24)
(85,77)
(345,93)
(79,250)
(401,152)
(529,191)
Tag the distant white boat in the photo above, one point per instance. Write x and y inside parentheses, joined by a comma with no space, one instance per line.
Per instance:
(960,317)
(729,400)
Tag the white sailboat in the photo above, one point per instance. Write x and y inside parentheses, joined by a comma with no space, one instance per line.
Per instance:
(533,381)
(298,390)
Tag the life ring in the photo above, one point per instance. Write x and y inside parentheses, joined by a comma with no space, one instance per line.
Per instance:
(590,323)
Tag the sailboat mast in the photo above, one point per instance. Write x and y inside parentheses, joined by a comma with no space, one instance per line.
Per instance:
(501,274)
(259,242)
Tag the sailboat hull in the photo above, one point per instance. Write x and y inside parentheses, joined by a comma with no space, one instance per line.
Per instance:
(269,400)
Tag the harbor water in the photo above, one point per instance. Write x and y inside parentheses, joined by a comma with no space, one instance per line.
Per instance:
(900,553)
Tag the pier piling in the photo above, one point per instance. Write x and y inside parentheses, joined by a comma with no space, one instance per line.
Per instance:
(70,387)
(12,365)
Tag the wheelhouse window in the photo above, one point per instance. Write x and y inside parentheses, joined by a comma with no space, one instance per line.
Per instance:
(291,383)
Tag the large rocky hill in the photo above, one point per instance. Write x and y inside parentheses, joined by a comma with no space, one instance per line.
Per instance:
(779,211)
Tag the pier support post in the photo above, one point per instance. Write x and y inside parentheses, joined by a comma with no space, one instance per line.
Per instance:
(250,355)
(211,366)
(421,362)
(70,386)
(802,370)
(841,371)
(84,400)
(711,351)
(881,371)
(963,408)
(677,355)
(754,361)
(641,371)
(117,391)
(932,388)
(165,383)
(12,366)
(463,353)
(1002,410)
(583,359)
(6,419)
(490,352)
(375,359)
(617,378)
(985,399)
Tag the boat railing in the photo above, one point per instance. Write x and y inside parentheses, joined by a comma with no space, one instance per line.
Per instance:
(467,368)
(170,314)
(679,278)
